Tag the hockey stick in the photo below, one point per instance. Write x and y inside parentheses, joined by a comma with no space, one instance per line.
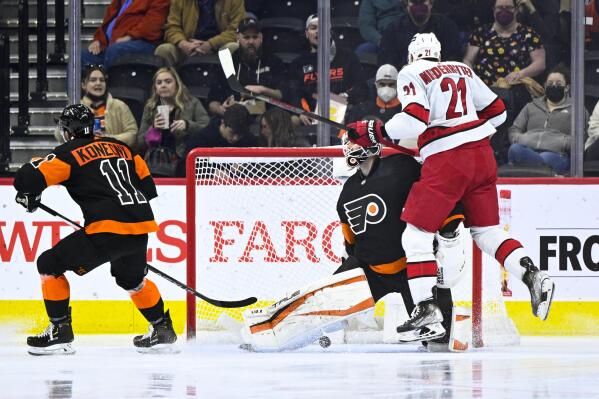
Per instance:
(226,62)
(220,303)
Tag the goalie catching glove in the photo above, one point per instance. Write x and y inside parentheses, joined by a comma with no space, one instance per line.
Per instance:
(367,133)
(29,201)
(304,316)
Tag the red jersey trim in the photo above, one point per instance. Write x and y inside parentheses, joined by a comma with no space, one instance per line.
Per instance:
(437,133)
(497,107)
(418,112)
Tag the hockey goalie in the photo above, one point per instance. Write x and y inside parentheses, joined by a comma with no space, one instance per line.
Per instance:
(369,208)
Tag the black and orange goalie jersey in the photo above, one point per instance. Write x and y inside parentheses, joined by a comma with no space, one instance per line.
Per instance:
(370,208)
(112,186)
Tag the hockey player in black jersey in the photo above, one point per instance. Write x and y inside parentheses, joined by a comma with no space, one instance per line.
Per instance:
(113,187)
(369,208)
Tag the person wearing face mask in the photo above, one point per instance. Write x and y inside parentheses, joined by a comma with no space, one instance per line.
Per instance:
(419,18)
(541,134)
(503,54)
(113,118)
(386,104)
(505,48)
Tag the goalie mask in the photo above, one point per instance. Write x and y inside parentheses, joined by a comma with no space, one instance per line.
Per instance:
(355,155)
(76,121)
(424,45)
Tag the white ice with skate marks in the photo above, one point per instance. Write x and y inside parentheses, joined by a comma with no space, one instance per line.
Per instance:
(109,367)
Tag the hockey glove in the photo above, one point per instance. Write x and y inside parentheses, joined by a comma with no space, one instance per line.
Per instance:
(366,133)
(29,201)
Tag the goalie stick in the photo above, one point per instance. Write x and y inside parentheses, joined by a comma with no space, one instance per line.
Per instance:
(216,302)
(226,62)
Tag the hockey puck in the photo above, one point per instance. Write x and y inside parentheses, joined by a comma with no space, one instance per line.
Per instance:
(324,341)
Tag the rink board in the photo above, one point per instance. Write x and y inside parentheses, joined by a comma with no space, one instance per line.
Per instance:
(556,219)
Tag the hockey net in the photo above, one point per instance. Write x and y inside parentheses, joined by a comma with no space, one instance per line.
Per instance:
(262,222)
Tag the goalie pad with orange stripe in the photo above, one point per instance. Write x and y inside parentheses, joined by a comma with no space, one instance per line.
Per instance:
(302,317)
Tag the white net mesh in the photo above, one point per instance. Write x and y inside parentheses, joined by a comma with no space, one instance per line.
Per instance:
(267,225)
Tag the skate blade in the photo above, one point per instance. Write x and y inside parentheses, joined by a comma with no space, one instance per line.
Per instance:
(436,330)
(543,309)
(160,349)
(58,349)
(436,347)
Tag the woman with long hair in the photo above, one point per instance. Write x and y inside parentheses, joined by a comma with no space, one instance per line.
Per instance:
(113,118)
(276,130)
(171,114)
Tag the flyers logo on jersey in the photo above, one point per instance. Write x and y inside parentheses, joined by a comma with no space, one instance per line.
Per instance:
(369,209)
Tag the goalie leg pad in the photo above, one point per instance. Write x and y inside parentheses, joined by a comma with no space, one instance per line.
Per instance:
(302,317)
(451,260)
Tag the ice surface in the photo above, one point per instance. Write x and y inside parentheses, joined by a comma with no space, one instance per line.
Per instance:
(109,367)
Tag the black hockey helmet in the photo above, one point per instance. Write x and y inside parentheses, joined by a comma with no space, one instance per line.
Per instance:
(77,120)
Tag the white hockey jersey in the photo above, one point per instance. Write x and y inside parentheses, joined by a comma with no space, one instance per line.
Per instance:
(444,105)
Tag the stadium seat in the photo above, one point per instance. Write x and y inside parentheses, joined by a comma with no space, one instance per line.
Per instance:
(591,66)
(135,70)
(199,72)
(134,97)
(289,9)
(346,33)
(369,64)
(591,168)
(283,35)
(345,8)
(525,171)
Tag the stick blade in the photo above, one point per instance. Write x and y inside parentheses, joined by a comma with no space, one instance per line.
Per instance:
(226,62)
(232,304)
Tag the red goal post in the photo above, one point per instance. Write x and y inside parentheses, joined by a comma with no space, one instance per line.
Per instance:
(246,208)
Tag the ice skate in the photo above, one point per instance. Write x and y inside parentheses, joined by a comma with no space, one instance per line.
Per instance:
(54,340)
(540,286)
(424,325)
(159,338)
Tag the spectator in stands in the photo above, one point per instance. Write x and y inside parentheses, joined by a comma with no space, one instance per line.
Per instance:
(386,104)
(230,130)
(419,19)
(113,118)
(505,48)
(543,17)
(467,14)
(374,17)
(506,55)
(258,70)
(541,134)
(277,130)
(129,27)
(186,114)
(346,73)
(199,27)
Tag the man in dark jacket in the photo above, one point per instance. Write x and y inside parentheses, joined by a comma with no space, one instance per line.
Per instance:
(346,74)
(129,27)
(419,19)
(257,70)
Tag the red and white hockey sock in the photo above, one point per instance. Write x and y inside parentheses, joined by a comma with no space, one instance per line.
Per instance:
(421,264)
(494,241)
